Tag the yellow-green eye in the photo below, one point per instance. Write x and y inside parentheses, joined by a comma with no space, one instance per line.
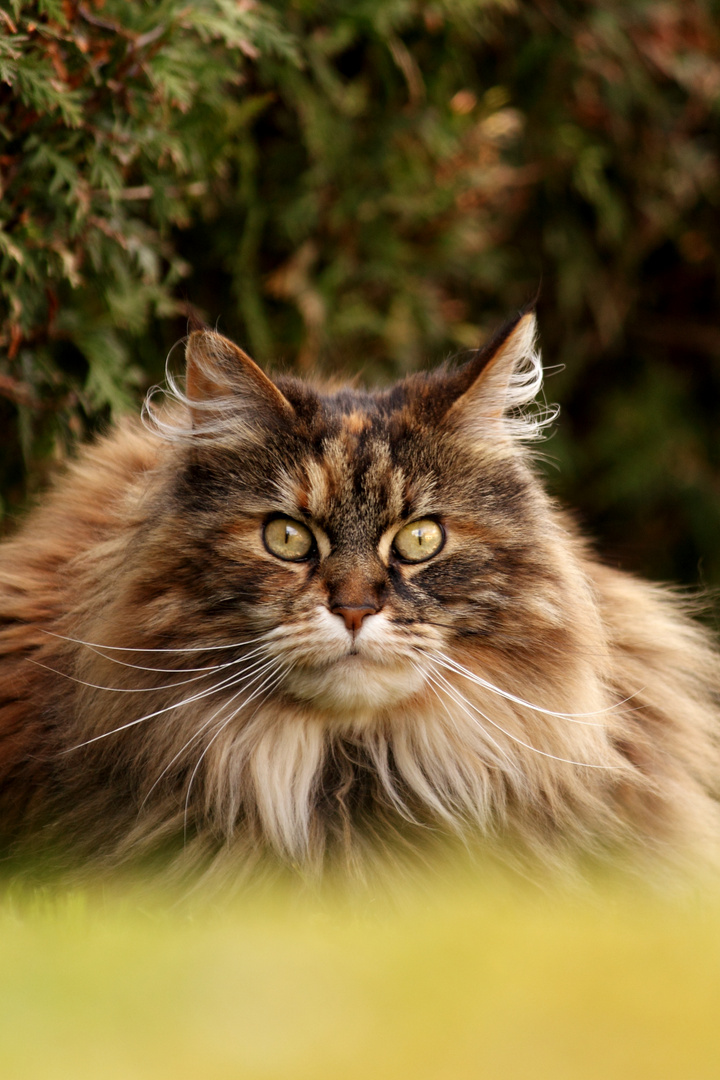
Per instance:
(288,539)
(419,540)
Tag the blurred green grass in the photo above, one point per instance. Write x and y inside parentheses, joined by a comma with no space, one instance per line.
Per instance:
(473,979)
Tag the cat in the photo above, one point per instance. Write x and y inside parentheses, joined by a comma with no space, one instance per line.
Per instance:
(280,621)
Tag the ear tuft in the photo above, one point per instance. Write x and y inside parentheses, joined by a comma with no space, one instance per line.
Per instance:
(503,381)
(219,372)
(226,393)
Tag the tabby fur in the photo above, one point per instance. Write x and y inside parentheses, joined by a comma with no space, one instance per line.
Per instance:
(166,680)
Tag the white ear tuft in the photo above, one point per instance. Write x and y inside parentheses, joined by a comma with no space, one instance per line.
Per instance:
(501,400)
(225,394)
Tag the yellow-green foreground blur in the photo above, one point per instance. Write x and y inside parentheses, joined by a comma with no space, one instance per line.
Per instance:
(470,981)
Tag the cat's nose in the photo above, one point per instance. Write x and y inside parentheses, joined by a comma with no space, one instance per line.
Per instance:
(353,616)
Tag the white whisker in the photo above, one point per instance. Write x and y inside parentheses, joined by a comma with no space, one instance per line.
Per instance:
(575,718)
(197,734)
(180,671)
(149,689)
(448,689)
(98,650)
(273,678)
(231,680)
(543,753)
(119,689)
(132,648)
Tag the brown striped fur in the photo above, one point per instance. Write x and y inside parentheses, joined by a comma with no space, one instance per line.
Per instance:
(511,689)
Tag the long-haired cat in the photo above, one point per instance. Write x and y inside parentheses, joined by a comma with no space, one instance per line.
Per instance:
(310,624)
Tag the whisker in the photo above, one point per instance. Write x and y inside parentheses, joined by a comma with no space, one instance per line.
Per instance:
(543,753)
(231,680)
(98,650)
(274,678)
(452,665)
(178,671)
(196,735)
(118,689)
(147,689)
(132,648)
(436,687)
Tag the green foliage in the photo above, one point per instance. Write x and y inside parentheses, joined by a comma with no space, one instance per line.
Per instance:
(107,109)
(371,186)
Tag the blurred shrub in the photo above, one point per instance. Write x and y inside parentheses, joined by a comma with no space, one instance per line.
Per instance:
(108,110)
(370,186)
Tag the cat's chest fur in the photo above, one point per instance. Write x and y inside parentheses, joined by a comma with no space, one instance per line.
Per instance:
(280,621)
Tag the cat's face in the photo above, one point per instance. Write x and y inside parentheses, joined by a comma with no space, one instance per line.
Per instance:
(330,617)
(357,534)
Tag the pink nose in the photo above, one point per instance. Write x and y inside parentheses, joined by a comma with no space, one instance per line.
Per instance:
(353,616)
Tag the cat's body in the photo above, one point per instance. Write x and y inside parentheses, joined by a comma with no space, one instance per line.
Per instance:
(277,621)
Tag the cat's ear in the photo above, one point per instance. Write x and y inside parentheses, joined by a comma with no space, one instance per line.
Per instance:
(220,377)
(499,381)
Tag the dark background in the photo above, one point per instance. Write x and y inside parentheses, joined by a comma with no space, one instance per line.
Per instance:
(369,187)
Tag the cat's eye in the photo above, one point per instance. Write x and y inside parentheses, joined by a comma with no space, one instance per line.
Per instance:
(288,539)
(419,540)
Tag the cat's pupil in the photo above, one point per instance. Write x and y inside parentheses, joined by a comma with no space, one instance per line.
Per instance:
(288,539)
(419,540)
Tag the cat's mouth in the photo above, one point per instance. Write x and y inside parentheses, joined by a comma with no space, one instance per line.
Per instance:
(353,684)
(349,675)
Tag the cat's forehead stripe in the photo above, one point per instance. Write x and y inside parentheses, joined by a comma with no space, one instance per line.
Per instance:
(336,464)
(345,479)
(315,495)
(349,462)
(356,422)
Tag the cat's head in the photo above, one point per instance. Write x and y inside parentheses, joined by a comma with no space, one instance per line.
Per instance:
(358,533)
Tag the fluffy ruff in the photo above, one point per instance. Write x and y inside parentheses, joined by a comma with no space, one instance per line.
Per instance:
(166,681)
